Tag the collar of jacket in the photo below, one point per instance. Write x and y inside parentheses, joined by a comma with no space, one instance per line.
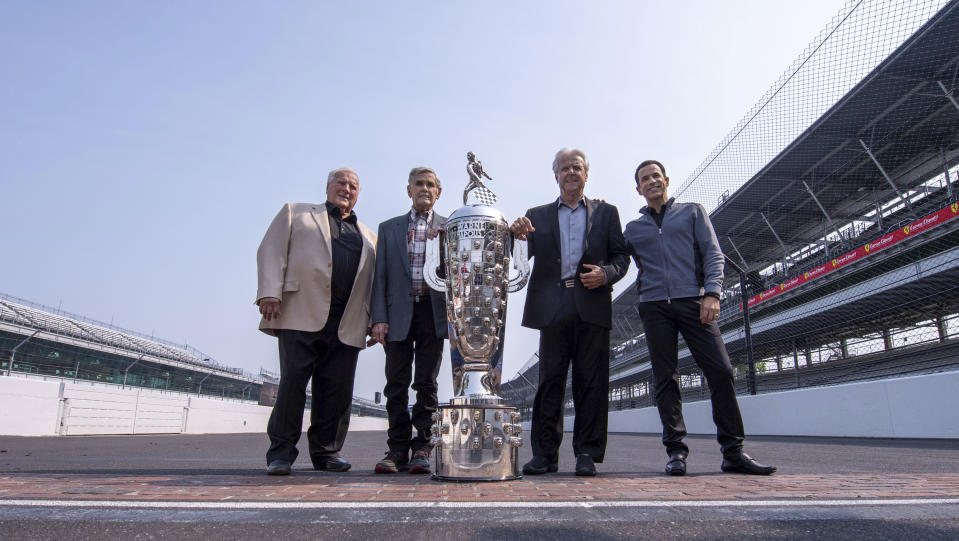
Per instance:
(651,211)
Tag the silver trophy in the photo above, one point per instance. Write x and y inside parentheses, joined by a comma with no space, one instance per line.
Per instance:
(476,436)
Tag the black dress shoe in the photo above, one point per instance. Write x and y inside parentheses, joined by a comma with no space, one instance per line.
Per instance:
(745,464)
(677,463)
(279,467)
(539,465)
(334,464)
(585,466)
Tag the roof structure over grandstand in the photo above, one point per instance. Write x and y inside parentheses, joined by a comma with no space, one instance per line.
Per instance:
(899,118)
(30,316)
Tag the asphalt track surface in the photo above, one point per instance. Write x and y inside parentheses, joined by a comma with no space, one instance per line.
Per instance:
(214,487)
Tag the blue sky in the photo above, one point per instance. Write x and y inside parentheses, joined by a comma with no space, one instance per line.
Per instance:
(145,146)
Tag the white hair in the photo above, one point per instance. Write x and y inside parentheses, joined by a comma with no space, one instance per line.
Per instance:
(334,173)
(563,152)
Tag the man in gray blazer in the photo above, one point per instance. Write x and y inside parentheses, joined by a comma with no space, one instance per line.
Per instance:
(409,319)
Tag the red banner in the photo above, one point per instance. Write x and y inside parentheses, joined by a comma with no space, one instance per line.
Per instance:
(924,224)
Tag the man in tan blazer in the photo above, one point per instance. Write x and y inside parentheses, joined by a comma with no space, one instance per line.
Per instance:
(315,272)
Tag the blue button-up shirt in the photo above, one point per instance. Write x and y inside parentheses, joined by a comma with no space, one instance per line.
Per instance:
(572,236)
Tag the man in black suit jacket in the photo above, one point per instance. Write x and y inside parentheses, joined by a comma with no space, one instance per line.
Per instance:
(580,253)
(409,319)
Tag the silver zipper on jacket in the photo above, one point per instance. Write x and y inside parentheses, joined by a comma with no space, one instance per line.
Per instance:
(665,260)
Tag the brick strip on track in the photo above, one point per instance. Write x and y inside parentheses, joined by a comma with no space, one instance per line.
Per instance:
(317,488)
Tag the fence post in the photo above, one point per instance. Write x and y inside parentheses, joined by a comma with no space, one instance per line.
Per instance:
(16,347)
(744,293)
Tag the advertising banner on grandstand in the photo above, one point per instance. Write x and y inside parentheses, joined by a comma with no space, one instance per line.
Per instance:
(924,224)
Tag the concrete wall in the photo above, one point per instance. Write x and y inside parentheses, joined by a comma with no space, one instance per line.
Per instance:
(89,409)
(35,407)
(208,416)
(911,407)
(29,407)
(924,406)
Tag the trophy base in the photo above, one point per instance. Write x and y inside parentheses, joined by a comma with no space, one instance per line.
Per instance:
(476,441)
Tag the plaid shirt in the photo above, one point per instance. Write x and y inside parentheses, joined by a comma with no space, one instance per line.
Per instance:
(416,246)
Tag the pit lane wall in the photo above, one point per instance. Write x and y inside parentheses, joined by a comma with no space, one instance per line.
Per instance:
(925,406)
(34,407)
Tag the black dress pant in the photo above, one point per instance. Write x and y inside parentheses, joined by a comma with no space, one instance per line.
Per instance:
(332,366)
(416,359)
(662,322)
(570,340)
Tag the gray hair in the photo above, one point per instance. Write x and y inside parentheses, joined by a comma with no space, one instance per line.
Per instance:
(563,152)
(333,174)
(418,170)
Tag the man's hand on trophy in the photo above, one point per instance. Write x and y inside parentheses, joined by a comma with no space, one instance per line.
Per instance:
(596,276)
(269,308)
(521,227)
(432,232)
(378,333)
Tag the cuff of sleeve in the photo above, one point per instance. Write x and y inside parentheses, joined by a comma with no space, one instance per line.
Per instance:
(711,294)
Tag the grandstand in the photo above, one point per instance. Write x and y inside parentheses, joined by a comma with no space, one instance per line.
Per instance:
(47,343)
(836,202)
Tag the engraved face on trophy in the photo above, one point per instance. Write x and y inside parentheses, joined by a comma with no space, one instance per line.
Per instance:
(476,256)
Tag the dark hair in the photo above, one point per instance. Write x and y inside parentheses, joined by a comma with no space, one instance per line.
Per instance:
(662,169)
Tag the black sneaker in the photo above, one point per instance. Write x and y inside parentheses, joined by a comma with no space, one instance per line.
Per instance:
(332,464)
(393,462)
(585,465)
(540,465)
(420,463)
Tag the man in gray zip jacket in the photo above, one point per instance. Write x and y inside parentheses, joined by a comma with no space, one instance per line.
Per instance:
(680,278)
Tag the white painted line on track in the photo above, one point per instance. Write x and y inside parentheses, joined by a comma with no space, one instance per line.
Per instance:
(239,506)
